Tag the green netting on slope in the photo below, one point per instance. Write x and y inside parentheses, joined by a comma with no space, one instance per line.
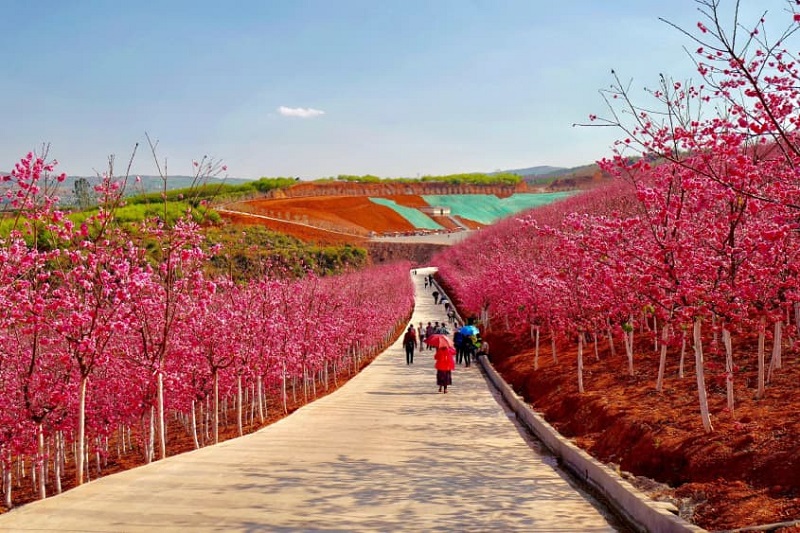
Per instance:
(416,217)
(488,208)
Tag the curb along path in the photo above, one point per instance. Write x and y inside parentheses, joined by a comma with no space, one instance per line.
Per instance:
(385,452)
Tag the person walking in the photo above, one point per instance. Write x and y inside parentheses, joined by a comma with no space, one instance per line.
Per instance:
(410,344)
(458,342)
(429,332)
(444,367)
(435,295)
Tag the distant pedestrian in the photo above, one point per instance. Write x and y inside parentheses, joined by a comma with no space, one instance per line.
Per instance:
(444,368)
(410,344)
(426,282)
(421,336)
(435,297)
(429,332)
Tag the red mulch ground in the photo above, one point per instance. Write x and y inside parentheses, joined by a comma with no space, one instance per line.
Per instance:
(746,472)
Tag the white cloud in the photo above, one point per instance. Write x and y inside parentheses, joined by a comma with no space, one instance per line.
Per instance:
(302,112)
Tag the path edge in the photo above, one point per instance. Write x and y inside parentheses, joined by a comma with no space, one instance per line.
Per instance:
(641,512)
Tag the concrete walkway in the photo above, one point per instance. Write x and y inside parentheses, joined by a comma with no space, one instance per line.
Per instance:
(386,452)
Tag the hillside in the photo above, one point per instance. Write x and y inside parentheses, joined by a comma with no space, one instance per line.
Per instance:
(371,209)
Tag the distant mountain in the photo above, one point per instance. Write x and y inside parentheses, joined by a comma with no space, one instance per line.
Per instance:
(532,171)
(66,190)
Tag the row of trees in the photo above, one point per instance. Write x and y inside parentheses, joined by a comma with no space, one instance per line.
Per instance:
(98,340)
(698,236)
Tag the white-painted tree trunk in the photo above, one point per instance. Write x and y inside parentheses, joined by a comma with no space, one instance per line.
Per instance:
(701,381)
(777,342)
(162,426)
(610,338)
(216,406)
(7,485)
(683,353)
(536,351)
(662,360)
(58,460)
(629,349)
(151,448)
(596,349)
(553,345)
(580,362)
(41,463)
(194,428)
(728,343)
(283,391)
(239,426)
(260,394)
(655,333)
(81,428)
(762,334)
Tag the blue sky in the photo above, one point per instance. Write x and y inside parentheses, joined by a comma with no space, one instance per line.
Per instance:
(405,87)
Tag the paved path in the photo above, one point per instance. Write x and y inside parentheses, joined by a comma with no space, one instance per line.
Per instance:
(386,452)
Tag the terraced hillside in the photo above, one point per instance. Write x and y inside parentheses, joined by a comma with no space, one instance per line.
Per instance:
(367,215)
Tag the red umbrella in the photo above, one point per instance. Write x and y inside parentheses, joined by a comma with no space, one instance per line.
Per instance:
(439,341)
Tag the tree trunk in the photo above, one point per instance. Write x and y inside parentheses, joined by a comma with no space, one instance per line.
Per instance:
(775,363)
(7,482)
(662,361)
(151,448)
(610,338)
(41,463)
(239,426)
(194,428)
(683,353)
(629,350)
(162,427)
(536,351)
(283,391)
(553,345)
(762,333)
(655,333)
(57,460)
(216,406)
(701,382)
(260,393)
(726,340)
(580,362)
(81,428)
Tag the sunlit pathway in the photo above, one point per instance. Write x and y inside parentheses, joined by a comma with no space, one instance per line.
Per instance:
(386,452)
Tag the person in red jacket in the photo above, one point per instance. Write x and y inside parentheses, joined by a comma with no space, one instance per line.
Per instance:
(445,363)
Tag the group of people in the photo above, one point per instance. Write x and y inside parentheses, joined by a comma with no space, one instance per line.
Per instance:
(464,347)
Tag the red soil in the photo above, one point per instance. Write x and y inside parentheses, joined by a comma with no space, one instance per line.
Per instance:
(349,214)
(408,200)
(345,213)
(746,472)
(302,232)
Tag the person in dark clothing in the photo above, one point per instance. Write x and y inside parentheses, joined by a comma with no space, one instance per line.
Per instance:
(410,344)
(436,297)
(458,342)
